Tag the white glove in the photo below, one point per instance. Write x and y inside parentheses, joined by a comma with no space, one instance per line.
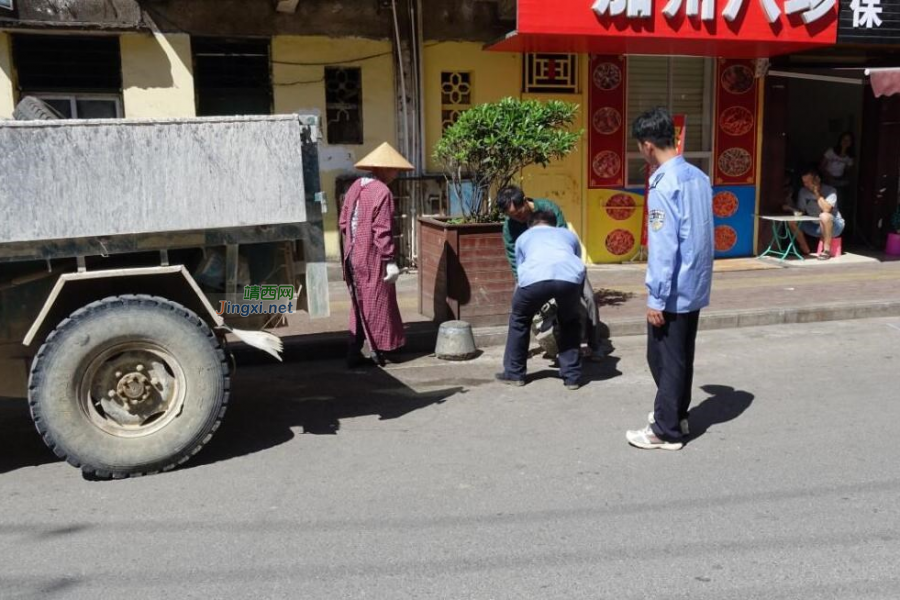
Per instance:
(393,272)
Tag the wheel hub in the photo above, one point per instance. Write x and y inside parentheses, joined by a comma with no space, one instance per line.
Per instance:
(133,390)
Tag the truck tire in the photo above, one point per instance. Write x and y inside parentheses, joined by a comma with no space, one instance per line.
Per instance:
(35,109)
(129,385)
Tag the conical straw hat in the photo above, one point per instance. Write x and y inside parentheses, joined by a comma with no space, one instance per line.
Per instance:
(385,157)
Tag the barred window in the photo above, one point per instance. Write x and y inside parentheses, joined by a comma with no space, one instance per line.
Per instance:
(456,96)
(343,105)
(550,73)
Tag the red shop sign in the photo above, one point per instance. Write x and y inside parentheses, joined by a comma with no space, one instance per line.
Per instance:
(726,28)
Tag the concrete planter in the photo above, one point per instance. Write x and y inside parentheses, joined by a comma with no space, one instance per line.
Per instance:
(463,272)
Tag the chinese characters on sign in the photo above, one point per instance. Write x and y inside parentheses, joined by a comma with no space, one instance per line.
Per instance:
(866,13)
(810,10)
(869,22)
(268,292)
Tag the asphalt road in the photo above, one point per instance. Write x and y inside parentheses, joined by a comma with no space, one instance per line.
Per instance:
(428,480)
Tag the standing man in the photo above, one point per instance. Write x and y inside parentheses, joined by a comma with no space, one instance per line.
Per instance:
(512,203)
(679,277)
(369,257)
(549,266)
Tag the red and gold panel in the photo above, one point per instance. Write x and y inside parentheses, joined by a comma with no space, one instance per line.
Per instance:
(736,115)
(608,129)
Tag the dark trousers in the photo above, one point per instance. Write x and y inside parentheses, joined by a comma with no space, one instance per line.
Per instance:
(670,354)
(527,301)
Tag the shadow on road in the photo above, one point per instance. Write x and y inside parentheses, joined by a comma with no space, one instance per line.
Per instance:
(267,403)
(724,404)
(590,371)
(608,297)
(20,444)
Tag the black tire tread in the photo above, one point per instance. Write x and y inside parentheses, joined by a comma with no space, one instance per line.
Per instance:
(36,378)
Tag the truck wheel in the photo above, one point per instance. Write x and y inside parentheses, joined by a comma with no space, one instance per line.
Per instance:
(129,385)
(35,109)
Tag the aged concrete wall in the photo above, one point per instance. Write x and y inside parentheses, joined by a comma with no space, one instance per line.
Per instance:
(157,75)
(302,88)
(467,20)
(494,75)
(361,18)
(473,20)
(7,89)
(112,14)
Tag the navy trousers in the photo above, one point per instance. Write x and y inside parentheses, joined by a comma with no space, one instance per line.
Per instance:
(670,354)
(527,301)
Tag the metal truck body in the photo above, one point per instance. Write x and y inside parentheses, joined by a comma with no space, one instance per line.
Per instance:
(120,240)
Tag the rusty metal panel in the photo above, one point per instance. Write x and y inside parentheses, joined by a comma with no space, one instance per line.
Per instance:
(99,178)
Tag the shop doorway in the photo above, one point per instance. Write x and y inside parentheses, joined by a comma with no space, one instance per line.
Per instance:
(819,108)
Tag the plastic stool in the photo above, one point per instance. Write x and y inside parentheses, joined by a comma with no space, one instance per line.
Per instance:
(835,247)
(893,244)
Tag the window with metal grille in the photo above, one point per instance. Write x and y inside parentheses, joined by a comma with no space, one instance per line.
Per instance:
(343,105)
(683,85)
(550,74)
(456,96)
(232,77)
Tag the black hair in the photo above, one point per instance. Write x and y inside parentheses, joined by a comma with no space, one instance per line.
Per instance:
(510,195)
(850,150)
(655,126)
(547,217)
(810,169)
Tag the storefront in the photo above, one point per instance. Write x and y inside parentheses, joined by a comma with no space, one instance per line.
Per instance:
(706,62)
(814,97)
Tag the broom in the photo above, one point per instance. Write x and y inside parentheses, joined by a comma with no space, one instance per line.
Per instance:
(261,340)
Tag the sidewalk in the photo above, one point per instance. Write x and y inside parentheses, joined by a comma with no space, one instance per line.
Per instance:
(746,292)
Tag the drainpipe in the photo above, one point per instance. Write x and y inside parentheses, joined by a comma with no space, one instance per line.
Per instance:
(403,97)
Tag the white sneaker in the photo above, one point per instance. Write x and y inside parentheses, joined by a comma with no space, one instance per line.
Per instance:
(682,424)
(647,440)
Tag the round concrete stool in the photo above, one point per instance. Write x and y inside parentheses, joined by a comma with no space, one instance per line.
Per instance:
(455,341)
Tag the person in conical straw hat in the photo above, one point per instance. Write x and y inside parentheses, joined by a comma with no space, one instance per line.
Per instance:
(369,257)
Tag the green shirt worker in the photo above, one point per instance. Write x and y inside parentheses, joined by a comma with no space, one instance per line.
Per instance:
(518,209)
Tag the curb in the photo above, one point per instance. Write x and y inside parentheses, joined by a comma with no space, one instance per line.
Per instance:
(421,337)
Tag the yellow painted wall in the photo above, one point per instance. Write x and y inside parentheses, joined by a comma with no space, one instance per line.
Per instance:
(301,88)
(563,180)
(495,75)
(157,75)
(7,89)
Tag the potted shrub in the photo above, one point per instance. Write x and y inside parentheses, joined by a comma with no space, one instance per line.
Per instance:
(463,271)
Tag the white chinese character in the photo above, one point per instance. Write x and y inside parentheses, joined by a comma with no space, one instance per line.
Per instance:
(733,9)
(865,13)
(693,9)
(813,10)
(614,8)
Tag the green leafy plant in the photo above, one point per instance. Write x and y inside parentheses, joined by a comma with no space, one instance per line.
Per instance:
(490,144)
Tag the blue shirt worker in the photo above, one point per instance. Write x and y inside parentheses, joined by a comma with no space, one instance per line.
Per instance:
(679,277)
(549,265)
(517,208)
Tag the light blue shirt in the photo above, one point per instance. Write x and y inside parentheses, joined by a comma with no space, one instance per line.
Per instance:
(545,253)
(681,238)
